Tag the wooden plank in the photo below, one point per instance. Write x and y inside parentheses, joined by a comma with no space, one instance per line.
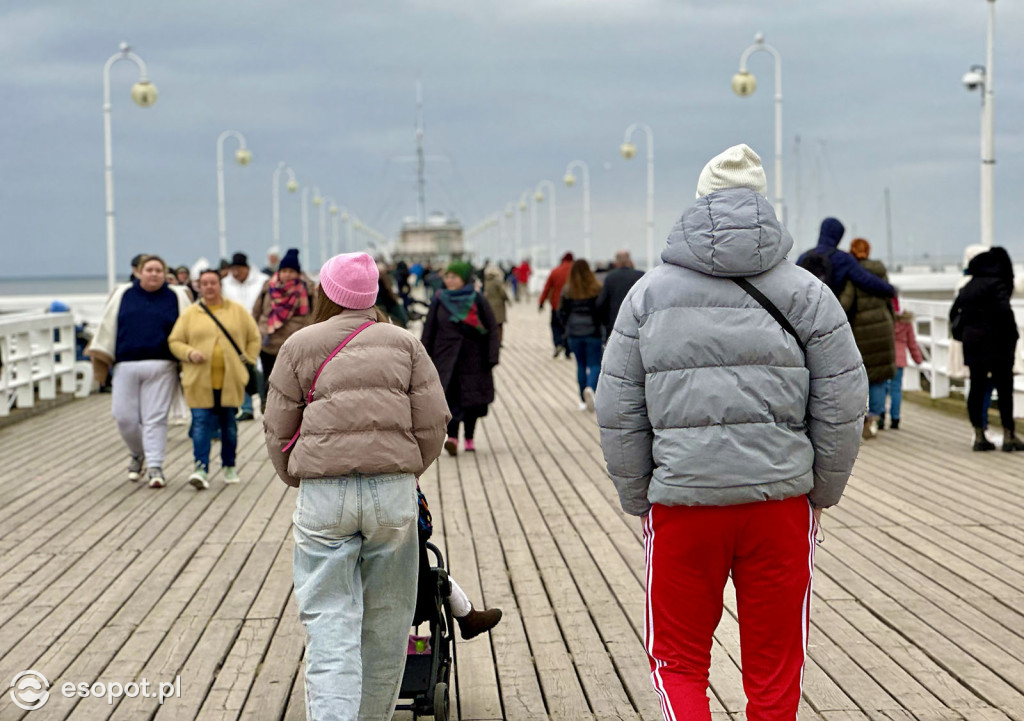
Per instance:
(478,696)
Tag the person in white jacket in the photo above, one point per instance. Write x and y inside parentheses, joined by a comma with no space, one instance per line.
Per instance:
(243,285)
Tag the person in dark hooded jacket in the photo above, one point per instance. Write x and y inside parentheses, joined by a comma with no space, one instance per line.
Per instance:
(843,265)
(461,337)
(989,338)
(872,320)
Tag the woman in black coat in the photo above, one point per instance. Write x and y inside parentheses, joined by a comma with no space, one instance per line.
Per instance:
(461,336)
(989,334)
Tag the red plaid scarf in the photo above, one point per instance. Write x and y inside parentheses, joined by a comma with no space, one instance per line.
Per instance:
(287,299)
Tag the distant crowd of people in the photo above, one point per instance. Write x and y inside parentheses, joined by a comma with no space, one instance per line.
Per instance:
(732,389)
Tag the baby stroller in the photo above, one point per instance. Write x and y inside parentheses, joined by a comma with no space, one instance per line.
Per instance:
(429,662)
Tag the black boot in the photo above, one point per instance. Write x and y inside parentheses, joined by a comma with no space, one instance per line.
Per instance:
(894,424)
(476,622)
(881,422)
(1011,442)
(981,443)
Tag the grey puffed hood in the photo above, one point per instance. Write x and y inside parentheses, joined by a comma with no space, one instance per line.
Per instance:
(729,233)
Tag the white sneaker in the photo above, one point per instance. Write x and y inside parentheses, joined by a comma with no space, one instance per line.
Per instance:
(230,475)
(156,477)
(135,466)
(588,398)
(582,406)
(198,478)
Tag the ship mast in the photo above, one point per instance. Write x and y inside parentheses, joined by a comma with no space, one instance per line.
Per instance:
(421,184)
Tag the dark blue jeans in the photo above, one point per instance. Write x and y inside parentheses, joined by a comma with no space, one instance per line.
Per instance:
(588,351)
(558,331)
(204,422)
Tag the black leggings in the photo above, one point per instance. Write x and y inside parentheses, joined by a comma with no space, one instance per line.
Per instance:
(1002,381)
(469,416)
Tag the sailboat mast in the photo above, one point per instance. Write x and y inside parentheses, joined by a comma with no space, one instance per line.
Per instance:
(888,230)
(421,183)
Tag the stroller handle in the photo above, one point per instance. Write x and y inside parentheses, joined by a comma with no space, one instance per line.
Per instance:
(437,554)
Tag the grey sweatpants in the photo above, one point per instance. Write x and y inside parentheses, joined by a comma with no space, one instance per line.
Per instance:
(141,397)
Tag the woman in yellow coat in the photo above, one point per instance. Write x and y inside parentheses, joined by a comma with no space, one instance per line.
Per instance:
(213,373)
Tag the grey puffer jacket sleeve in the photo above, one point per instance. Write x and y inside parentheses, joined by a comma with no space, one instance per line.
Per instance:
(626,433)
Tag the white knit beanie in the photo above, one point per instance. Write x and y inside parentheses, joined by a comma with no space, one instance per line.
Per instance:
(737,167)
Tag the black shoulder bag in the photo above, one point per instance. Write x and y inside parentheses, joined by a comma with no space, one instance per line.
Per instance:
(252,385)
(777,314)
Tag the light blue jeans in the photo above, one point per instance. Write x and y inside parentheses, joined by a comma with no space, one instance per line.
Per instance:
(356,565)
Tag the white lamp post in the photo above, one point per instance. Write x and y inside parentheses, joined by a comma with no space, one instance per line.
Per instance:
(144,94)
(744,84)
(318,201)
(523,204)
(305,224)
(628,151)
(346,218)
(981,77)
(538,196)
(332,208)
(242,157)
(504,241)
(570,180)
(293,185)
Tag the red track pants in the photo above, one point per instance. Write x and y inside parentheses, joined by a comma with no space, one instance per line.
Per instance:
(769,548)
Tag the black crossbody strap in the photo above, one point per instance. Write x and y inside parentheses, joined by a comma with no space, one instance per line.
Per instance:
(223,329)
(777,314)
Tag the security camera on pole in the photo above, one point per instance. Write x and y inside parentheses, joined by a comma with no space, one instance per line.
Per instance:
(980,76)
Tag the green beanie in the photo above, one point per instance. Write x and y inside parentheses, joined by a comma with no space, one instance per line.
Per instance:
(462,269)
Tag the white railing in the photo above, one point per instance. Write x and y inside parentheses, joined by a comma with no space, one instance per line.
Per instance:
(943,367)
(38,355)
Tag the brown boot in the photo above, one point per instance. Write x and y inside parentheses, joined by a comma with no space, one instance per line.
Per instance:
(476,622)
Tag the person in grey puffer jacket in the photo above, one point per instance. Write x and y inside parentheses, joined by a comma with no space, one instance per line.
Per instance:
(729,435)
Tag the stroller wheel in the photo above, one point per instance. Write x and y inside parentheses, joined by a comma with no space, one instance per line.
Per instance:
(441,702)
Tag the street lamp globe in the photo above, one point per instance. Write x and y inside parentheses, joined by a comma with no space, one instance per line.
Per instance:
(318,200)
(333,209)
(508,212)
(569,179)
(628,150)
(243,156)
(522,205)
(538,196)
(292,186)
(345,216)
(744,83)
(144,93)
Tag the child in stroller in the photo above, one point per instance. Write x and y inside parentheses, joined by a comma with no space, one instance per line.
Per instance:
(428,664)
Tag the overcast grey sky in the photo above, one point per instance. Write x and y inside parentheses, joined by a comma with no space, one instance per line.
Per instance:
(513,92)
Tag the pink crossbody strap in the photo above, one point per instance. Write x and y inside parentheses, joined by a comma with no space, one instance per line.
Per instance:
(312,387)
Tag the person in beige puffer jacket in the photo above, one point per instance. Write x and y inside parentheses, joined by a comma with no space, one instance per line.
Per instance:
(376,421)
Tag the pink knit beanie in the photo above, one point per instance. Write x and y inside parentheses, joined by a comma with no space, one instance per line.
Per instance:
(350,280)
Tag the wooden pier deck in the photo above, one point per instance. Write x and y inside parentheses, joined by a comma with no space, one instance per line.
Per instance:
(918,606)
